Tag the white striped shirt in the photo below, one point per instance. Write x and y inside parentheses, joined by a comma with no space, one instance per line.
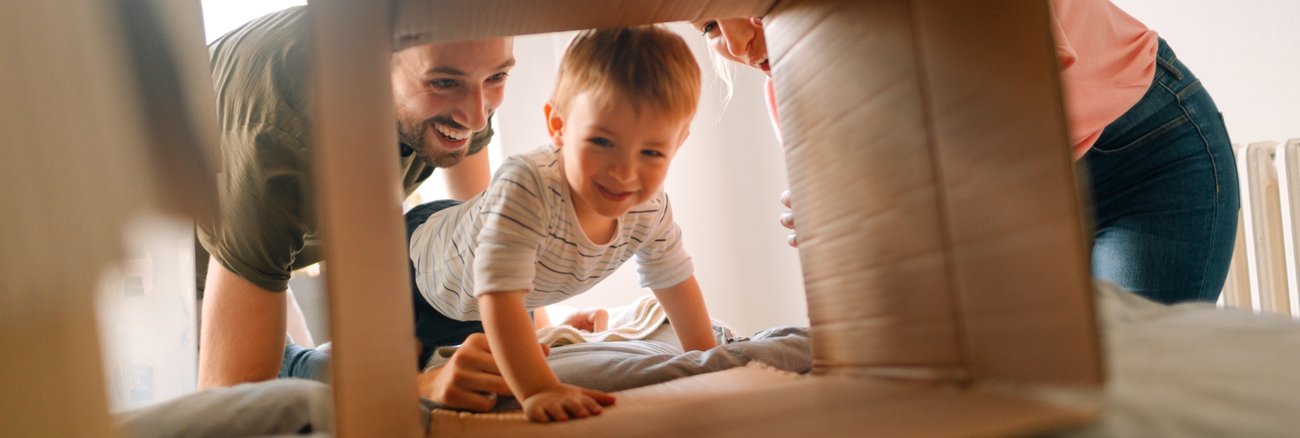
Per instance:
(522,234)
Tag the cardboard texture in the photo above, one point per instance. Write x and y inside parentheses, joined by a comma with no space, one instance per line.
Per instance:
(360,207)
(424,21)
(80,162)
(749,401)
(940,232)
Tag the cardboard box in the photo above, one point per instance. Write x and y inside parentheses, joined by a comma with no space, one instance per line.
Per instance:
(941,237)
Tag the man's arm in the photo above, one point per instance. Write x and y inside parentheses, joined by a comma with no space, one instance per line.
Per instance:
(242,334)
(684,304)
(470,177)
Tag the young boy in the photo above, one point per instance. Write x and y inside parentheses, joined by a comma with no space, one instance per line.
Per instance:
(557,220)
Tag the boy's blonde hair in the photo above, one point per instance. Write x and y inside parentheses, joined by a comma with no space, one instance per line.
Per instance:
(643,64)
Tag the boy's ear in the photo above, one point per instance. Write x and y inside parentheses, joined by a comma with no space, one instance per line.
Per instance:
(554,124)
(686,132)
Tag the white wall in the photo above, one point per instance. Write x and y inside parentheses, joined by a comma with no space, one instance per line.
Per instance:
(1246,53)
(724,185)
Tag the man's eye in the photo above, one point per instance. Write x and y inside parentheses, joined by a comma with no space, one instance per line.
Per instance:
(443,83)
(498,77)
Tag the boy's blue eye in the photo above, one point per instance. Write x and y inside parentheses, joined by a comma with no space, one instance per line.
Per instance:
(652,153)
(601,141)
(709,27)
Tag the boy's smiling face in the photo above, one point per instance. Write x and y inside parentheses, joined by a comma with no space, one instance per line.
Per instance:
(615,157)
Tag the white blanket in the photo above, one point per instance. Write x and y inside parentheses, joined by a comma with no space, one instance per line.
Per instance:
(1195,370)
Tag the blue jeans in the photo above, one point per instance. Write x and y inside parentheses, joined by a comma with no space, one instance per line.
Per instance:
(1164,190)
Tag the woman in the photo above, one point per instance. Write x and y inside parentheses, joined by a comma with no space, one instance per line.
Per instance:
(1163,177)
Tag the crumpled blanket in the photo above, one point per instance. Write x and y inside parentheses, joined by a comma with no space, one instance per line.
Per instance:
(294,406)
(634,321)
(618,365)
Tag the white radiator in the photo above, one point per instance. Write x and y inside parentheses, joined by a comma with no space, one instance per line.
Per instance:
(1263,276)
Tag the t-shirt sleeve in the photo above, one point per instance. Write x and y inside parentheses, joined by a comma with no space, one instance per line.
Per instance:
(264,188)
(514,224)
(262,227)
(663,262)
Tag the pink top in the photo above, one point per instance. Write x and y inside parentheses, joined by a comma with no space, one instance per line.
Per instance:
(769,91)
(1107,60)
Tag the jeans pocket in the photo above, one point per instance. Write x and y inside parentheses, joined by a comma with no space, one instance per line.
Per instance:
(1145,138)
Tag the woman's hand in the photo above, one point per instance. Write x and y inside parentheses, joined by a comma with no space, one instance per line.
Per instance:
(787,220)
(562,402)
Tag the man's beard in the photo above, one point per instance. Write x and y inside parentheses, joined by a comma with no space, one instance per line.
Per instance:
(413,135)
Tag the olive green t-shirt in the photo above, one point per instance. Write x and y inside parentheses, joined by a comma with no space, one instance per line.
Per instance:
(268,225)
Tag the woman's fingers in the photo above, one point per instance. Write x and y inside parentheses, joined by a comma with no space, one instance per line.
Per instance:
(787,220)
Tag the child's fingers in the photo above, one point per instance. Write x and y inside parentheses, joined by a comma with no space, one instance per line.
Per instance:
(600,397)
(546,349)
(591,405)
(556,412)
(537,414)
(576,408)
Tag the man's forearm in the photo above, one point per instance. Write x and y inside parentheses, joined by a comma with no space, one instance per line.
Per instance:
(242,335)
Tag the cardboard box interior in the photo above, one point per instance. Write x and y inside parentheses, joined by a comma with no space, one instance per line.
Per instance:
(941,238)
(940,227)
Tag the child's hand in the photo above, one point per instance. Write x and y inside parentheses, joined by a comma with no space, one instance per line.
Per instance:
(562,402)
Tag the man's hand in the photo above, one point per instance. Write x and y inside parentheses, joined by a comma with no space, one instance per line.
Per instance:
(562,402)
(787,220)
(592,320)
(470,380)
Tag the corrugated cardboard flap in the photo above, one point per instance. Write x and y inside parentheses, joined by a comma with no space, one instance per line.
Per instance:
(757,402)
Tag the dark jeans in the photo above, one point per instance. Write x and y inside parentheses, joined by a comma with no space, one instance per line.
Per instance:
(431,328)
(1164,190)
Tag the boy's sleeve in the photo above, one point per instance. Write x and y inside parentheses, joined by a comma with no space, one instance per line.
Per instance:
(663,261)
(514,224)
